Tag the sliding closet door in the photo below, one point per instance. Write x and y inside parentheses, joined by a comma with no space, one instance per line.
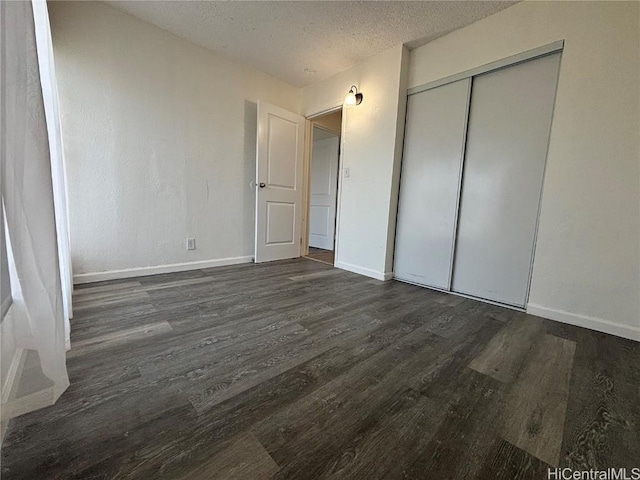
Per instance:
(430,183)
(507,138)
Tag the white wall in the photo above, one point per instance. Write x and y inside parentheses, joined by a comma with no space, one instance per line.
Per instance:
(587,261)
(159,139)
(371,134)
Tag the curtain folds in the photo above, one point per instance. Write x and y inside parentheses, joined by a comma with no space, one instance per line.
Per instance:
(34,200)
(50,97)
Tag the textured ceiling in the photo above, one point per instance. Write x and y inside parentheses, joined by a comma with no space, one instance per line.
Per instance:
(306,41)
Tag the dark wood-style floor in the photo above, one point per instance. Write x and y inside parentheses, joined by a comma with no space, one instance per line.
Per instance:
(297,370)
(320,255)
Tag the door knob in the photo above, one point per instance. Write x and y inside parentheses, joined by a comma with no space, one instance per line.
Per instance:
(262,185)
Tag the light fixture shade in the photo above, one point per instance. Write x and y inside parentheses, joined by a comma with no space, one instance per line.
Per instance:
(353,97)
(350,99)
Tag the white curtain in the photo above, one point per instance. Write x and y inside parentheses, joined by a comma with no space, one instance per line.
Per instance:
(33,196)
(58,174)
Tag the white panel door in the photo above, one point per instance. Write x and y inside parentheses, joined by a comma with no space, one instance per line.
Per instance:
(324,187)
(279,183)
(507,139)
(430,184)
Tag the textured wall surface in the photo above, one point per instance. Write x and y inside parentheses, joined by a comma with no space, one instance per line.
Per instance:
(587,260)
(159,138)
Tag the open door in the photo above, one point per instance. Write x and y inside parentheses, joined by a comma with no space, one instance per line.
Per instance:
(280,151)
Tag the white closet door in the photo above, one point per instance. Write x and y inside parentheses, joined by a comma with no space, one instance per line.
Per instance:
(430,182)
(507,139)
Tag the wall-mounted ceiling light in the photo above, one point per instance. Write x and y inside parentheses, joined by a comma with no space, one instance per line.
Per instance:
(353,97)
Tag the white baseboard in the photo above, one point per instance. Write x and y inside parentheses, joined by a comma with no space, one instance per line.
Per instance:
(367,272)
(158,269)
(585,321)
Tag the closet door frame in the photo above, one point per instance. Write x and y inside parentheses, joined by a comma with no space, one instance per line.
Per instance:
(548,49)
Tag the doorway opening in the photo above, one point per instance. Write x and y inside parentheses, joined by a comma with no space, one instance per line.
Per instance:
(324,168)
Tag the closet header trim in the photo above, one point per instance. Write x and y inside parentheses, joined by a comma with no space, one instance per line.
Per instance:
(505,62)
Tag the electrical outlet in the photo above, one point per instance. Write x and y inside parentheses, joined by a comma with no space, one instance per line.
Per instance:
(347,172)
(191,243)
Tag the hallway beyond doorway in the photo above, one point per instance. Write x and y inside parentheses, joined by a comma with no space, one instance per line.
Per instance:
(320,255)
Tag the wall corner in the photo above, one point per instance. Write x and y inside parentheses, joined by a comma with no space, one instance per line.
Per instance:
(397,157)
